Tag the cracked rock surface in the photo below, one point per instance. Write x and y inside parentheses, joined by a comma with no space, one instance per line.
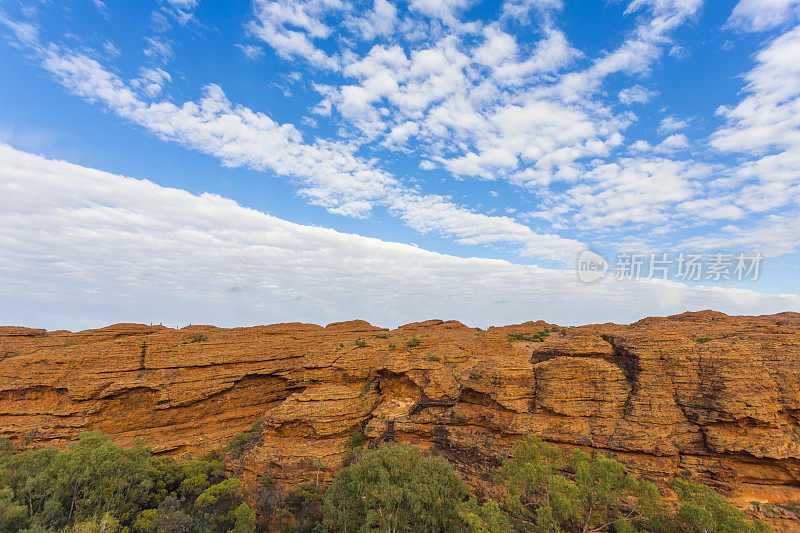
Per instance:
(704,395)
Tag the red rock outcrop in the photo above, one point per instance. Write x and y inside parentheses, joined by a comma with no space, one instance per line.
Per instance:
(704,395)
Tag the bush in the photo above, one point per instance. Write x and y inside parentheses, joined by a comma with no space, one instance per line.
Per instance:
(242,442)
(536,337)
(486,518)
(395,488)
(198,338)
(304,502)
(702,340)
(600,496)
(704,510)
(99,486)
(413,342)
(355,442)
(361,343)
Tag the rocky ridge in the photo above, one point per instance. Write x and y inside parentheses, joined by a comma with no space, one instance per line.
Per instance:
(704,395)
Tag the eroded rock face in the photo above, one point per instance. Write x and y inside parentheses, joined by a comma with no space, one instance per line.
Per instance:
(704,394)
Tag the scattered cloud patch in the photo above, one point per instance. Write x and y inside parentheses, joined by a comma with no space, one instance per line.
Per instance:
(761,15)
(636,95)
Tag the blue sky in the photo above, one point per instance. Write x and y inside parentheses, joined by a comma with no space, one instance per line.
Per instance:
(504,137)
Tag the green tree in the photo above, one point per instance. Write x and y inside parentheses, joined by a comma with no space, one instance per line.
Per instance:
(105,524)
(216,507)
(486,518)
(395,488)
(600,496)
(13,516)
(703,510)
(96,484)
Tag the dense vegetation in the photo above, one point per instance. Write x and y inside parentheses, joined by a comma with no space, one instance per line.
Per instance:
(97,486)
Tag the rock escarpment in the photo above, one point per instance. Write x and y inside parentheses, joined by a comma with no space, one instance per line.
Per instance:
(704,395)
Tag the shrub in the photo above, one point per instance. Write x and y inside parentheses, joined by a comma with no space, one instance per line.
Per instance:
(304,502)
(702,340)
(198,338)
(704,510)
(361,343)
(395,488)
(435,357)
(242,442)
(355,442)
(536,337)
(99,486)
(601,495)
(382,336)
(486,518)
(106,524)
(413,342)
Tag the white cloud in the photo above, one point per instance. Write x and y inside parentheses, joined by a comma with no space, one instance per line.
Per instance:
(380,21)
(330,173)
(765,126)
(761,15)
(640,190)
(636,95)
(183,4)
(85,248)
(444,10)
(181,10)
(774,236)
(290,27)
(673,143)
(158,50)
(490,105)
(671,124)
(521,9)
(251,51)
(100,5)
(151,81)
(679,52)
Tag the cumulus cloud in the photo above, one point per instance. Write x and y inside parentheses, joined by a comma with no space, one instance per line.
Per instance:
(760,15)
(487,100)
(671,124)
(85,248)
(765,125)
(330,173)
(636,95)
(638,190)
(291,27)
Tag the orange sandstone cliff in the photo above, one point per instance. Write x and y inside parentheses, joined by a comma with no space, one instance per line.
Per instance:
(704,395)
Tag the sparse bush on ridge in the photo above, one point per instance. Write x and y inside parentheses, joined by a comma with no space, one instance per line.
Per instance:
(536,337)
(355,442)
(241,442)
(413,342)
